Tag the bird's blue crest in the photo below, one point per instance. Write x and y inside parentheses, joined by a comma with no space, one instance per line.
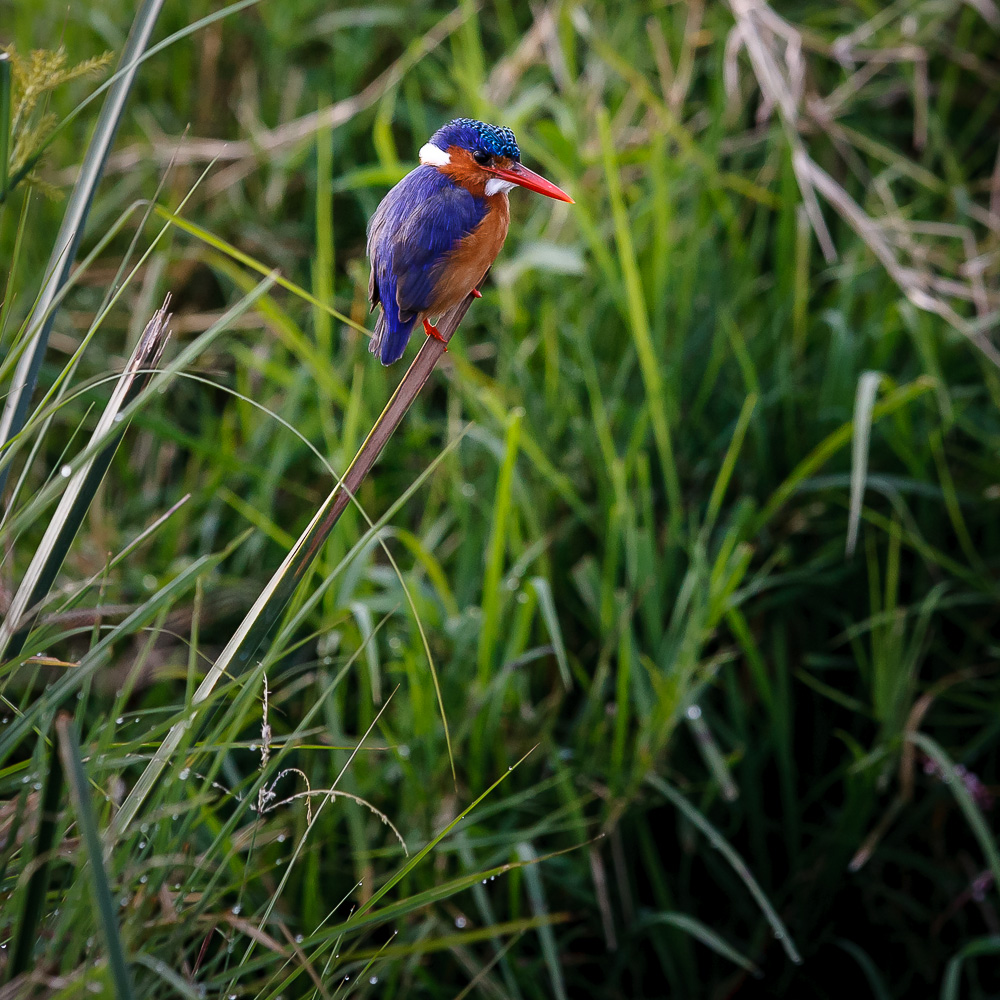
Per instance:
(467,133)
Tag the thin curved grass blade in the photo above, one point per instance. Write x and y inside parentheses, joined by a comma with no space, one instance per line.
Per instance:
(950,986)
(701,932)
(735,861)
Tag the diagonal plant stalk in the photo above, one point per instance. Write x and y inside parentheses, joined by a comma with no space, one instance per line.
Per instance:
(70,232)
(260,619)
(76,500)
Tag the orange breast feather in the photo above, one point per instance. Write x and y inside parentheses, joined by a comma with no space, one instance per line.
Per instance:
(465,267)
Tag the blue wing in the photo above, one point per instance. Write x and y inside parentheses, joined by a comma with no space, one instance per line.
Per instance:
(418,222)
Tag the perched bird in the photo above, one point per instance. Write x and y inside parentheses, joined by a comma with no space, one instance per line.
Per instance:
(437,232)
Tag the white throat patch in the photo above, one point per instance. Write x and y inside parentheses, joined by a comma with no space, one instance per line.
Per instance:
(434,156)
(497,186)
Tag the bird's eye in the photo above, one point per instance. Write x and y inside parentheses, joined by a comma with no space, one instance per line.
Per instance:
(481,157)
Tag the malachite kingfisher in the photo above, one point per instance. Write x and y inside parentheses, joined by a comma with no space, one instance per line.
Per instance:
(437,232)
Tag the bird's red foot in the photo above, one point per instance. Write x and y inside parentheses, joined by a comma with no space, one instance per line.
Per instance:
(432,331)
(476,293)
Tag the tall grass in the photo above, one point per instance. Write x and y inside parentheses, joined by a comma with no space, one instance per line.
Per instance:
(694,743)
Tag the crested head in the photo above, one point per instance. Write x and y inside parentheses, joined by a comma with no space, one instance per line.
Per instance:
(477,137)
(484,159)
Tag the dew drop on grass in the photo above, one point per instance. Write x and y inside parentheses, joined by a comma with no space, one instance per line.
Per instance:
(173,816)
(281,838)
(460,922)
(119,720)
(253,747)
(298,939)
(236,910)
(373,980)
(143,879)
(184,773)
(142,844)
(694,712)
(65,471)
(144,828)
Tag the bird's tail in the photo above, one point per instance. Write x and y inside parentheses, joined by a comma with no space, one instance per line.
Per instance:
(389,340)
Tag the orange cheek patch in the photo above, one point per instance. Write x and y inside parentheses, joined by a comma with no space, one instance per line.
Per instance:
(463,169)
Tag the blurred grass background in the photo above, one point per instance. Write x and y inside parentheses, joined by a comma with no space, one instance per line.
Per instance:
(625,544)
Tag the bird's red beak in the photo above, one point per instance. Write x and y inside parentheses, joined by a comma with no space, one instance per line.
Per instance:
(526,178)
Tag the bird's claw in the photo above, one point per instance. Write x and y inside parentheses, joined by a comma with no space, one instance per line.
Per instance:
(432,331)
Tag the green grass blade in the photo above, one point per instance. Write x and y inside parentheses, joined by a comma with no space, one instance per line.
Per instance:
(868,967)
(496,547)
(735,861)
(831,444)
(656,391)
(951,984)
(729,463)
(700,932)
(864,404)
(221,246)
(536,896)
(547,606)
(79,788)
